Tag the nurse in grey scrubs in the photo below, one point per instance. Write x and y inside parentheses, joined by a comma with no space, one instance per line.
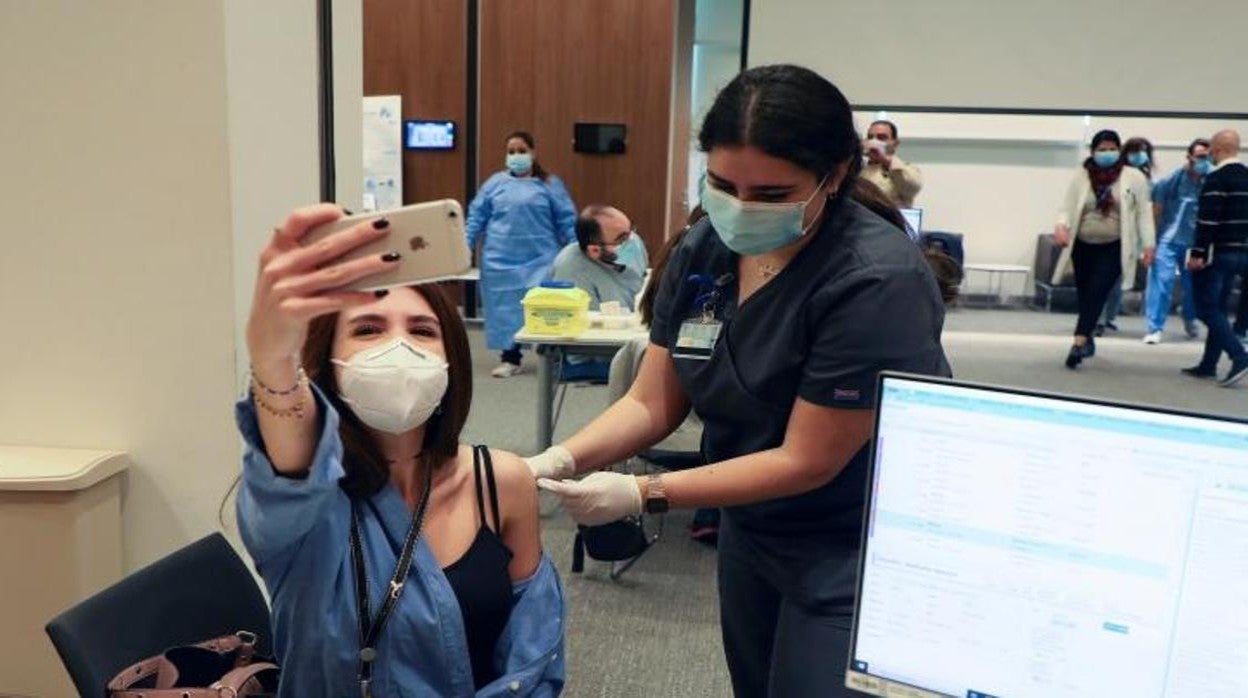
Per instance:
(773,319)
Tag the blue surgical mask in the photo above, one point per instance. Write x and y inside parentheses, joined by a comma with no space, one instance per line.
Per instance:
(1202,166)
(1137,159)
(1105,158)
(633,253)
(750,227)
(519,163)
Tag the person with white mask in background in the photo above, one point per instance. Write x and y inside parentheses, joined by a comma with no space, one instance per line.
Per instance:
(898,179)
(398,561)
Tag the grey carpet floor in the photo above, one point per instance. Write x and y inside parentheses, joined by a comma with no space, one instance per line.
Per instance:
(655,632)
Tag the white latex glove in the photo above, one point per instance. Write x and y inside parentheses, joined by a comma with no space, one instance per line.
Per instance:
(555,463)
(598,499)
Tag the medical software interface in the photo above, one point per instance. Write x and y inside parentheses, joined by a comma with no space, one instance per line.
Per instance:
(1035,547)
(914,219)
(429,135)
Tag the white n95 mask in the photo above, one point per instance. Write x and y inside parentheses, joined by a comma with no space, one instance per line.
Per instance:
(394,387)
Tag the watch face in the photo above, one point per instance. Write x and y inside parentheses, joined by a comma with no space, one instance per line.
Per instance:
(656,506)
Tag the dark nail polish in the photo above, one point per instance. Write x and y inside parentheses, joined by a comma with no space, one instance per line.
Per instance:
(381,292)
(381,223)
(391,257)
(348,211)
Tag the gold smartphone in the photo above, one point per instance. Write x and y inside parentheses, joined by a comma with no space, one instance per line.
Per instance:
(429,235)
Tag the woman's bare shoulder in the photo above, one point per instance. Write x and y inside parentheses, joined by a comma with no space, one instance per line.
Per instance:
(511,472)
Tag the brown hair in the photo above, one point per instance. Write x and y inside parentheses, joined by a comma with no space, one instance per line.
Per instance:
(538,171)
(645,306)
(367,470)
(1140,144)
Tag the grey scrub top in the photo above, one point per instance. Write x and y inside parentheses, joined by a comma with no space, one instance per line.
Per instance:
(857,300)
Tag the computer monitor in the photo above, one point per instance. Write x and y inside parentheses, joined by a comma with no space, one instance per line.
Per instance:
(1028,545)
(421,134)
(914,221)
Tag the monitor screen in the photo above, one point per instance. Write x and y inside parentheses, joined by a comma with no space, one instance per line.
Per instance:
(914,221)
(428,135)
(1035,546)
(599,138)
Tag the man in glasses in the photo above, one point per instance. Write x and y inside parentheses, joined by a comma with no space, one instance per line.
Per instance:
(607,260)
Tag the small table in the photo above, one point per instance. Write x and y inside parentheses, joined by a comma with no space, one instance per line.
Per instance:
(997,273)
(595,341)
(471,279)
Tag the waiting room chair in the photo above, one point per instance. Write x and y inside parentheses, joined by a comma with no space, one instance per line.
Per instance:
(197,593)
(949,243)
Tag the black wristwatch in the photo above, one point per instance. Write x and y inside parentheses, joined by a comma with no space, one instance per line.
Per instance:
(656,497)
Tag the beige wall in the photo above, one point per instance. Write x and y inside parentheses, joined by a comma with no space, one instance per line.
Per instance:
(115,280)
(998,179)
(348,93)
(148,149)
(271,73)
(1141,55)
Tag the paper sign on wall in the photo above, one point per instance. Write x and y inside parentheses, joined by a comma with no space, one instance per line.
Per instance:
(383,153)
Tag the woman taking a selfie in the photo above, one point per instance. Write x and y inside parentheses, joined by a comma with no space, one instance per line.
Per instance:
(773,318)
(399,562)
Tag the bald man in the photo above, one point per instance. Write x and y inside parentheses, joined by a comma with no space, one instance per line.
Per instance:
(607,259)
(1219,255)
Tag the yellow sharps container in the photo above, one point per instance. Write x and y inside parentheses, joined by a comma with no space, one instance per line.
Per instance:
(556,308)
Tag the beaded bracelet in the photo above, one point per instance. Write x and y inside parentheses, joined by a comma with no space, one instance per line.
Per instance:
(296,410)
(300,380)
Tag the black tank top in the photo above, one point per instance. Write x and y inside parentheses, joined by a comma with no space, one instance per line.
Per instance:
(480,579)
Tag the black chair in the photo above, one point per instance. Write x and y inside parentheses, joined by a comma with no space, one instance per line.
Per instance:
(199,592)
(949,243)
(1049,295)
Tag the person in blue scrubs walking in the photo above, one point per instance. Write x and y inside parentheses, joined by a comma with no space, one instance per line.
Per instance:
(399,562)
(522,217)
(1175,200)
(773,319)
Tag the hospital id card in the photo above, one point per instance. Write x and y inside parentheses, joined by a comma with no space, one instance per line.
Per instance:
(697,339)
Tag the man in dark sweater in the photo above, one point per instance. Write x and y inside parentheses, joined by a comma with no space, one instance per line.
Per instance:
(1219,254)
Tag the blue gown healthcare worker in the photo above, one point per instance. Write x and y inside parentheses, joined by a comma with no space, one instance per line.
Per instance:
(399,562)
(773,318)
(525,216)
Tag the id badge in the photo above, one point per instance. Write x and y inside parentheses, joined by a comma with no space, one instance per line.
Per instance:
(697,339)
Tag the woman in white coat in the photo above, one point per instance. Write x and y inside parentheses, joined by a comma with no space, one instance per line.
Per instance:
(1105,225)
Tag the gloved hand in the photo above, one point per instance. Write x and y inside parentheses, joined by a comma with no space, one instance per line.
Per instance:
(598,499)
(555,463)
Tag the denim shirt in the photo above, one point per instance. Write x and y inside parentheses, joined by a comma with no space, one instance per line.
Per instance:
(296,531)
(1179,198)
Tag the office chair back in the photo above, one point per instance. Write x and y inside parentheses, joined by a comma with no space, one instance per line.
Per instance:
(949,243)
(199,592)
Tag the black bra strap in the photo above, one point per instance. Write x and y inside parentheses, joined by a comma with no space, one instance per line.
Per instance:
(483,457)
(476,471)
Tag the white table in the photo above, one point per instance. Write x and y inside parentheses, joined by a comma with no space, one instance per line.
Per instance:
(996,276)
(551,351)
(471,279)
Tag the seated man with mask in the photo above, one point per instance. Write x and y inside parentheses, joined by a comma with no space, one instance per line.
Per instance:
(608,260)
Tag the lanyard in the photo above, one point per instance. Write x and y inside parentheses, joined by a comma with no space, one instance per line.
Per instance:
(370,627)
(709,293)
